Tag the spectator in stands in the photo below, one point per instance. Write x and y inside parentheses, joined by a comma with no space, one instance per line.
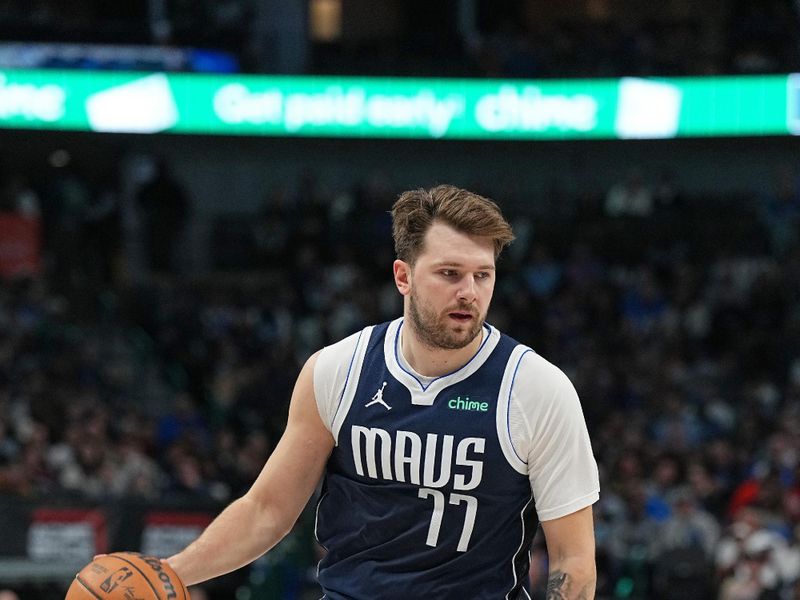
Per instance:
(90,471)
(686,543)
(165,207)
(136,474)
(183,423)
(757,574)
(780,210)
(688,526)
(17,196)
(631,197)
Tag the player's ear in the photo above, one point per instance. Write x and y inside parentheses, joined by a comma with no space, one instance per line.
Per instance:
(402,276)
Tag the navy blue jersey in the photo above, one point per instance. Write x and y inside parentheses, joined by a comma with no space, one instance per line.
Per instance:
(419,498)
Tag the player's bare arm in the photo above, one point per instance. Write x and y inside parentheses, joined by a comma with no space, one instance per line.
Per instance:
(254,523)
(571,553)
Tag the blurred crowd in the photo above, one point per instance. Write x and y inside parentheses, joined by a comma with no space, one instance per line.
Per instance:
(478,38)
(615,40)
(677,317)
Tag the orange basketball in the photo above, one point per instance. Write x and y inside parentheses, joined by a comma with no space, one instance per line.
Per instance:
(127,576)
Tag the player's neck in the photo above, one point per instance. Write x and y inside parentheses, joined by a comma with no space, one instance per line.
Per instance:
(435,362)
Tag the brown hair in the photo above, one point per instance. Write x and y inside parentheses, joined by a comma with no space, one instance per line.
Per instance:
(416,210)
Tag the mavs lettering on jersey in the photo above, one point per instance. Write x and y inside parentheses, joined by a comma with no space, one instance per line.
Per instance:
(403,464)
(419,499)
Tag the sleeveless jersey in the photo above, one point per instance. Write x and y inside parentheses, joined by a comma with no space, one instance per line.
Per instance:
(420,498)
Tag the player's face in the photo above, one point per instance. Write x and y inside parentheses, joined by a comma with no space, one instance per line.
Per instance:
(450,287)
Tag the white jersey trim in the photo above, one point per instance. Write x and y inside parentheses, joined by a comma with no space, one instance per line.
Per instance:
(548,431)
(316,526)
(513,457)
(351,382)
(422,394)
(569,508)
(519,548)
(336,378)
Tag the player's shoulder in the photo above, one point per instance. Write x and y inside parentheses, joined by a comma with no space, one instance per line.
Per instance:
(341,351)
(535,363)
(339,355)
(332,371)
(538,377)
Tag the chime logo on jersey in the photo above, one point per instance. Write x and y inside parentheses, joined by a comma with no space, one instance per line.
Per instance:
(434,462)
(467,404)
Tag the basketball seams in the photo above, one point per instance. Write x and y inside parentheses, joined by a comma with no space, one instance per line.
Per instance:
(128,562)
(85,586)
(146,578)
(184,589)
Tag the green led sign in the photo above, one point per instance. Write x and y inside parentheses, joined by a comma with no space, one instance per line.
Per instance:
(626,108)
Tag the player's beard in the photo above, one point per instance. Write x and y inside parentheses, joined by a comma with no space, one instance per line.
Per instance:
(435,332)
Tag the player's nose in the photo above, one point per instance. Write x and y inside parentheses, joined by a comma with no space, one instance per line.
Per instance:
(467,291)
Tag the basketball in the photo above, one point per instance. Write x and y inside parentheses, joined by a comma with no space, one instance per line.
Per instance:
(127,576)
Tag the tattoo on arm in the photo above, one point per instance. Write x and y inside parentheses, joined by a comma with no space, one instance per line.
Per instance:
(557,587)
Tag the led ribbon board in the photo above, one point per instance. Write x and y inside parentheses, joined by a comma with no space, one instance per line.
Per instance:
(347,107)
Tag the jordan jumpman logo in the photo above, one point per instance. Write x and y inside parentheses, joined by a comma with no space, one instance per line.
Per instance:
(378,398)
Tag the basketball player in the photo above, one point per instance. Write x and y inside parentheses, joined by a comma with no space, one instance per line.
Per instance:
(441,440)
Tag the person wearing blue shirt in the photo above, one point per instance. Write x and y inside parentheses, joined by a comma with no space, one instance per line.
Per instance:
(441,443)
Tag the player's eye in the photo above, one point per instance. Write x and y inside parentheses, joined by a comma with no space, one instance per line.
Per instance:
(448,272)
